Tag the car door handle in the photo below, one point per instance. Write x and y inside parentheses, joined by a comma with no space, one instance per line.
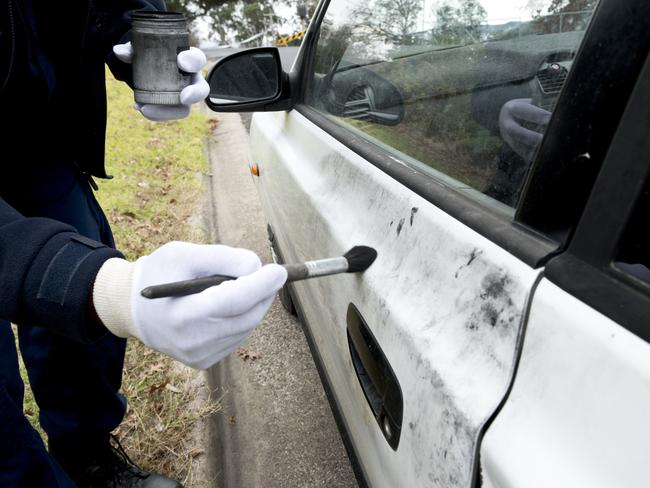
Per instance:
(376,377)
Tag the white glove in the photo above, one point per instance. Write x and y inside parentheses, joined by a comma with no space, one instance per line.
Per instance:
(198,329)
(190,61)
(522,140)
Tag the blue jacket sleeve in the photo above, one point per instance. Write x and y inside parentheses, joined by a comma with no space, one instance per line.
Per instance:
(116,28)
(47,271)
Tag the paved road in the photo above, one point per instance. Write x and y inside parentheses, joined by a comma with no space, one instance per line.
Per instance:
(276,430)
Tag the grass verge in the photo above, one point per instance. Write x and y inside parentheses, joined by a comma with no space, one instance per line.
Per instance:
(152,199)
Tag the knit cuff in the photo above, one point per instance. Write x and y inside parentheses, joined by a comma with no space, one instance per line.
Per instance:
(112,296)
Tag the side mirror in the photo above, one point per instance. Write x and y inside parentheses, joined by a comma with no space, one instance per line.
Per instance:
(249,81)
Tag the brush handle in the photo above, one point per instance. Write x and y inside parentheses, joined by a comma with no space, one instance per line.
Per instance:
(197,285)
(184,288)
(295,272)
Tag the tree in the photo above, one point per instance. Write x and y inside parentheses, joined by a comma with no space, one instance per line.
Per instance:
(449,28)
(459,25)
(473,15)
(332,45)
(391,20)
(237,20)
(563,16)
(560,6)
(193,9)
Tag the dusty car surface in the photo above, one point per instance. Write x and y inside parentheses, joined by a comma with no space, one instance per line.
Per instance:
(497,159)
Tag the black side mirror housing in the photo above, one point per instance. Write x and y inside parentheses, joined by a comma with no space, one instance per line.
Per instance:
(249,81)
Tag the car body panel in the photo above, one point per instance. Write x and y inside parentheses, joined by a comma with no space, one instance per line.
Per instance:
(445,304)
(449,299)
(577,413)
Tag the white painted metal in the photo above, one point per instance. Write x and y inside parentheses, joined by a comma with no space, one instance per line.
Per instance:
(444,303)
(578,412)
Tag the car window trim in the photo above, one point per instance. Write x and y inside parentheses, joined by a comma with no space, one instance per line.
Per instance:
(586,269)
(588,110)
(299,75)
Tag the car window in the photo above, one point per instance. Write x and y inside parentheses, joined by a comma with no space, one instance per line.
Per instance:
(462,90)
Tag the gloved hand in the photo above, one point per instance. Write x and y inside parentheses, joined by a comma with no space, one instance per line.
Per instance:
(521,140)
(199,329)
(190,61)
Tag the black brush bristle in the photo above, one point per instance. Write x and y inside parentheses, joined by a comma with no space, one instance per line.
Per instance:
(360,258)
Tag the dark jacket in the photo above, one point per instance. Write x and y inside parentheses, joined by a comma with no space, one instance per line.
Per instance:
(53,103)
(52,68)
(46,274)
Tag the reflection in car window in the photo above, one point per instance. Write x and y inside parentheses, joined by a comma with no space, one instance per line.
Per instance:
(460,89)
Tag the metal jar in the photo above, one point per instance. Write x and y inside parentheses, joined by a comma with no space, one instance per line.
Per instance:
(158,37)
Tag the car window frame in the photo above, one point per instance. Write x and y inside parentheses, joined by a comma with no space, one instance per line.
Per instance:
(529,236)
(590,109)
(587,270)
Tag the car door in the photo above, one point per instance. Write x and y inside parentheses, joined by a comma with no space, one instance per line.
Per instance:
(397,142)
(577,413)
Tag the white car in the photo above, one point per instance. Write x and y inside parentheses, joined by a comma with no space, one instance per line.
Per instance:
(500,338)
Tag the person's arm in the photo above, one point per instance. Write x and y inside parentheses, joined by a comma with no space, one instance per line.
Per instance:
(46,274)
(52,277)
(197,329)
